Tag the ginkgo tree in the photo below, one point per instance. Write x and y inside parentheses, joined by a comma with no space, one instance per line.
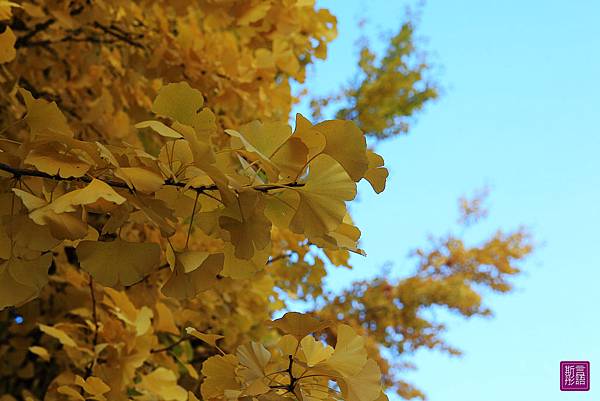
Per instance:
(157,209)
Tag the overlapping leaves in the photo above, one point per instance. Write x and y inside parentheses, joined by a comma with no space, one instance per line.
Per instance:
(266,176)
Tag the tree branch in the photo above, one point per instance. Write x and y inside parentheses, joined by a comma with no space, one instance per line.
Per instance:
(169,347)
(21,172)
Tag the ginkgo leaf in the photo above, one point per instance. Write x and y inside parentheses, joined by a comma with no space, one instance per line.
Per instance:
(264,138)
(62,226)
(69,202)
(59,334)
(299,325)
(122,307)
(43,116)
(376,174)
(176,156)
(315,351)
(70,392)
(321,208)
(364,386)
(26,234)
(346,143)
(118,262)
(346,236)
(30,201)
(162,383)
(160,128)
(191,260)
(21,280)
(237,268)
(183,285)
(40,351)
(219,375)
(94,386)
(290,158)
(49,160)
(180,102)
(199,145)
(141,179)
(7,46)
(349,355)
(165,320)
(106,155)
(250,230)
(312,139)
(254,357)
(210,339)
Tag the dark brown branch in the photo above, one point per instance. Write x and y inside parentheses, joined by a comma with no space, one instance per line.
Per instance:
(169,347)
(279,257)
(119,34)
(21,172)
(90,367)
(24,40)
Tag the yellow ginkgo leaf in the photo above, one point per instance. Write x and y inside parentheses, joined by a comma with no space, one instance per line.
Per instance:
(200,277)
(290,158)
(165,320)
(254,357)
(264,138)
(350,355)
(30,201)
(219,375)
(160,128)
(70,392)
(321,208)
(210,339)
(7,45)
(40,351)
(249,229)
(125,310)
(180,102)
(346,237)
(141,179)
(59,334)
(50,160)
(312,139)
(364,386)
(376,174)
(21,280)
(92,193)
(299,325)
(94,386)
(43,116)
(162,384)
(347,144)
(237,268)
(118,262)
(27,234)
(315,351)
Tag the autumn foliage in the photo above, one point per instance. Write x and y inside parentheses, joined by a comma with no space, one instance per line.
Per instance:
(157,209)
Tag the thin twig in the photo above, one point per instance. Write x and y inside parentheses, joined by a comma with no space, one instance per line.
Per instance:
(169,347)
(279,257)
(192,220)
(20,172)
(90,367)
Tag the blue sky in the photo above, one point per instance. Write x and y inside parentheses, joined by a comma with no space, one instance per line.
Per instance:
(519,113)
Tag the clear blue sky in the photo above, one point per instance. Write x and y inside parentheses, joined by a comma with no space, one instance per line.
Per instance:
(519,113)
